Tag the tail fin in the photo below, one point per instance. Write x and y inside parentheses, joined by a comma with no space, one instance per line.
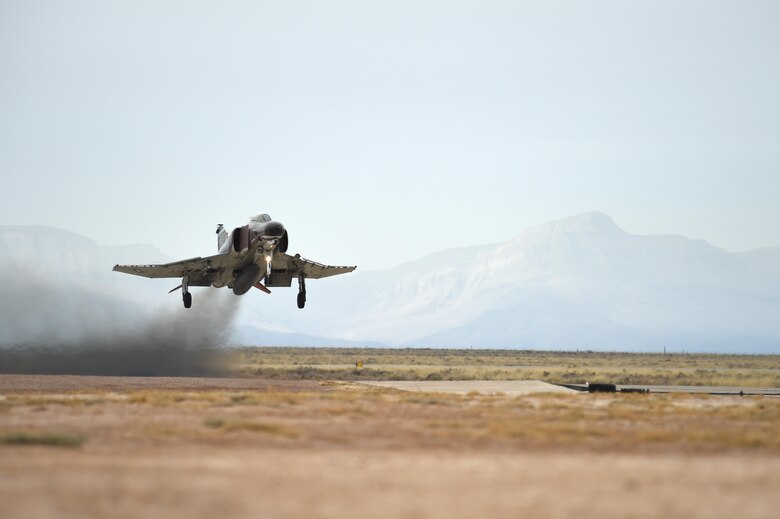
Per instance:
(222,236)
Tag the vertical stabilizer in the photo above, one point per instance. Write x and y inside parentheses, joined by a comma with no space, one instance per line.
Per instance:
(222,236)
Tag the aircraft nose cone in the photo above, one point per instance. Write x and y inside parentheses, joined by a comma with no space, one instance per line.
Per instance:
(274,229)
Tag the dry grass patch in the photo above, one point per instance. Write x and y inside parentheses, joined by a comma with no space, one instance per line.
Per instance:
(52,439)
(608,422)
(230,425)
(164,397)
(440,399)
(75,399)
(270,399)
(356,410)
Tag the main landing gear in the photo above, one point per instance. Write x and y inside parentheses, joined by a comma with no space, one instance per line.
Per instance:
(185,293)
(301,291)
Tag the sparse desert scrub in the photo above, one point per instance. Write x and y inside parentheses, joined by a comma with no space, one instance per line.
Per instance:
(343,413)
(556,367)
(201,440)
(629,422)
(65,399)
(214,398)
(292,356)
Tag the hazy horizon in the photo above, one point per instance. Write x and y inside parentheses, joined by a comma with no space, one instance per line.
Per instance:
(378,132)
(575,283)
(422,255)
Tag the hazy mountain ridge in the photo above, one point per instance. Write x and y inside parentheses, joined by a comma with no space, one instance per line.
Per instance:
(53,249)
(581,282)
(766,259)
(63,286)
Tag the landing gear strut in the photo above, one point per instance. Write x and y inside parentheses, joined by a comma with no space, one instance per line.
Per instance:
(185,293)
(268,268)
(301,291)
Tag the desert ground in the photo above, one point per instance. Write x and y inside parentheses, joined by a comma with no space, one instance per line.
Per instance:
(679,369)
(256,446)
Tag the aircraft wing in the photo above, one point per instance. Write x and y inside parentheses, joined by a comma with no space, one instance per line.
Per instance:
(204,270)
(314,270)
(202,267)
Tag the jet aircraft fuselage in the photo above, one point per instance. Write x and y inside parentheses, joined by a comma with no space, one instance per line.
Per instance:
(254,255)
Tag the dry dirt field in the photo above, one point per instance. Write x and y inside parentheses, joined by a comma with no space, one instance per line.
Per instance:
(75,446)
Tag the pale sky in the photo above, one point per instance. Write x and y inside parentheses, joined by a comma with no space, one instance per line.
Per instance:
(378,132)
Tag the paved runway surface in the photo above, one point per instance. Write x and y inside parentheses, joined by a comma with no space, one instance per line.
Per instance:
(528,387)
(712,390)
(462,387)
(54,383)
(708,390)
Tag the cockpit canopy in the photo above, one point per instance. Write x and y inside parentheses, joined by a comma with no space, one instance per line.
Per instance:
(260,218)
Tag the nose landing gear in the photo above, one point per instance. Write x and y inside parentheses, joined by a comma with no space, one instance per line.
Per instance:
(268,269)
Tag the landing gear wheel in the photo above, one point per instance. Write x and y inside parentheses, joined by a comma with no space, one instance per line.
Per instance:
(301,290)
(187,300)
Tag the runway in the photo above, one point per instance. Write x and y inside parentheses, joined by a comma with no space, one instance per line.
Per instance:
(55,383)
(528,387)
(464,387)
(699,390)
(711,390)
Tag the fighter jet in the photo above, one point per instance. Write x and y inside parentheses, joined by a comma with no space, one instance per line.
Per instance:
(254,255)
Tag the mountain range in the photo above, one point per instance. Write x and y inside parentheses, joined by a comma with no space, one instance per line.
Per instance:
(580,282)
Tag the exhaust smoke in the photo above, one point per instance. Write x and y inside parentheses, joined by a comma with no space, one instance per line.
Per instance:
(48,326)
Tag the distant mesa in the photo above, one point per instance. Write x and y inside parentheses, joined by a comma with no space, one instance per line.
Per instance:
(586,222)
